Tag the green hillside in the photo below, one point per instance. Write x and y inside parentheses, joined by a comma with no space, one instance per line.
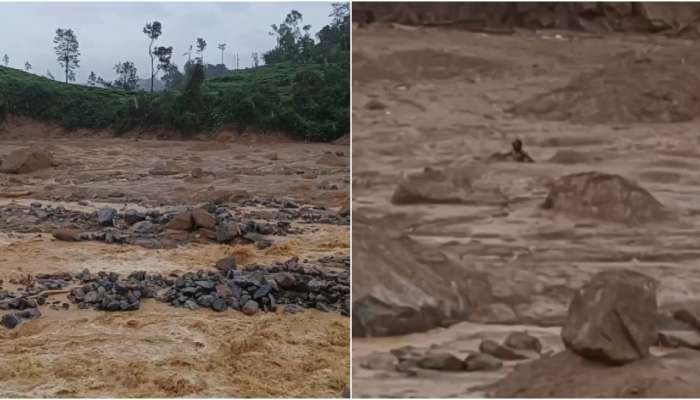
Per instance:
(311,101)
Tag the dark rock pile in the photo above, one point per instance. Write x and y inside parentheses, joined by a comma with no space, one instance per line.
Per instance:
(108,292)
(263,288)
(257,288)
(248,222)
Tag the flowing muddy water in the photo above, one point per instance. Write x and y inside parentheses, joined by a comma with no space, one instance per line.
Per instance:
(426,97)
(160,350)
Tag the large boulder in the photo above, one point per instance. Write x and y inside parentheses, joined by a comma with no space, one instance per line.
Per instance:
(605,197)
(400,287)
(612,318)
(26,160)
(432,186)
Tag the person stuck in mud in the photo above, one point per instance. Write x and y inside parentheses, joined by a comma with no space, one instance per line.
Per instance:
(516,154)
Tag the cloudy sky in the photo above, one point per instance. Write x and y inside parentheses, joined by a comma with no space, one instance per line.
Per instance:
(112,32)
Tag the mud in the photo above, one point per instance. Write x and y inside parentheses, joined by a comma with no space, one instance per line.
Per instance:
(160,350)
(528,260)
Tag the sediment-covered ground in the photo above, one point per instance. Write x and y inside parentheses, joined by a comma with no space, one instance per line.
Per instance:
(505,245)
(262,201)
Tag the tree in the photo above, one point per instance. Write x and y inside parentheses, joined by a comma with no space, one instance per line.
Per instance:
(104,83)
(256,59)
(292,44)
(6,59)
(27,66)
(50,75)
(222,47)
(334,39)
(92,79)
(67,52)
(126,76)
(164,54)
(192,93)
(172,77)
(153,30)
(201,45)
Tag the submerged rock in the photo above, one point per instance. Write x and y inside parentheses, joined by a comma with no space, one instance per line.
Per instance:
(432,186)
(441,361)
(604,196)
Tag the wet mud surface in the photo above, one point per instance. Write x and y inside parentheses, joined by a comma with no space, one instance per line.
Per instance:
(411,112)
(286,197)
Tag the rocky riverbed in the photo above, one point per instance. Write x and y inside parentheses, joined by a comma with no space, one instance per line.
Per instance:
(141,267)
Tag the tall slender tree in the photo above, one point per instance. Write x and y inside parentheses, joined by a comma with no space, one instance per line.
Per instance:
(67,52)
(222,47)
(201,45)
(153,30)
(164,54)
(6,60)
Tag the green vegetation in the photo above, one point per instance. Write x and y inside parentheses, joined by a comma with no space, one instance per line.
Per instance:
(303,89)
(308,100)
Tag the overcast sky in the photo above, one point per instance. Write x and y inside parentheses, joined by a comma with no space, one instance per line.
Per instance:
(112,32)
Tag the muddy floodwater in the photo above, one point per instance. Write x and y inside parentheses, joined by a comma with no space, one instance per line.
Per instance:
(160,350)
(449,99)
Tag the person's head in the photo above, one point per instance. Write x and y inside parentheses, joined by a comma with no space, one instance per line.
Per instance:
(517,145)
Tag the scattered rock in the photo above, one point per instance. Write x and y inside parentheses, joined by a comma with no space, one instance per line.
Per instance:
(132,217)
(219,305)
(144,228)
(482,362)
(612,318)
(293,309)
(250,308)
(105,216)
(499,351)
(227,231)
(285,280)
(226,264)
(523,341)
(441,361)
(181,222)
(67,235)
(30,313)
(10,321)
(203,219)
